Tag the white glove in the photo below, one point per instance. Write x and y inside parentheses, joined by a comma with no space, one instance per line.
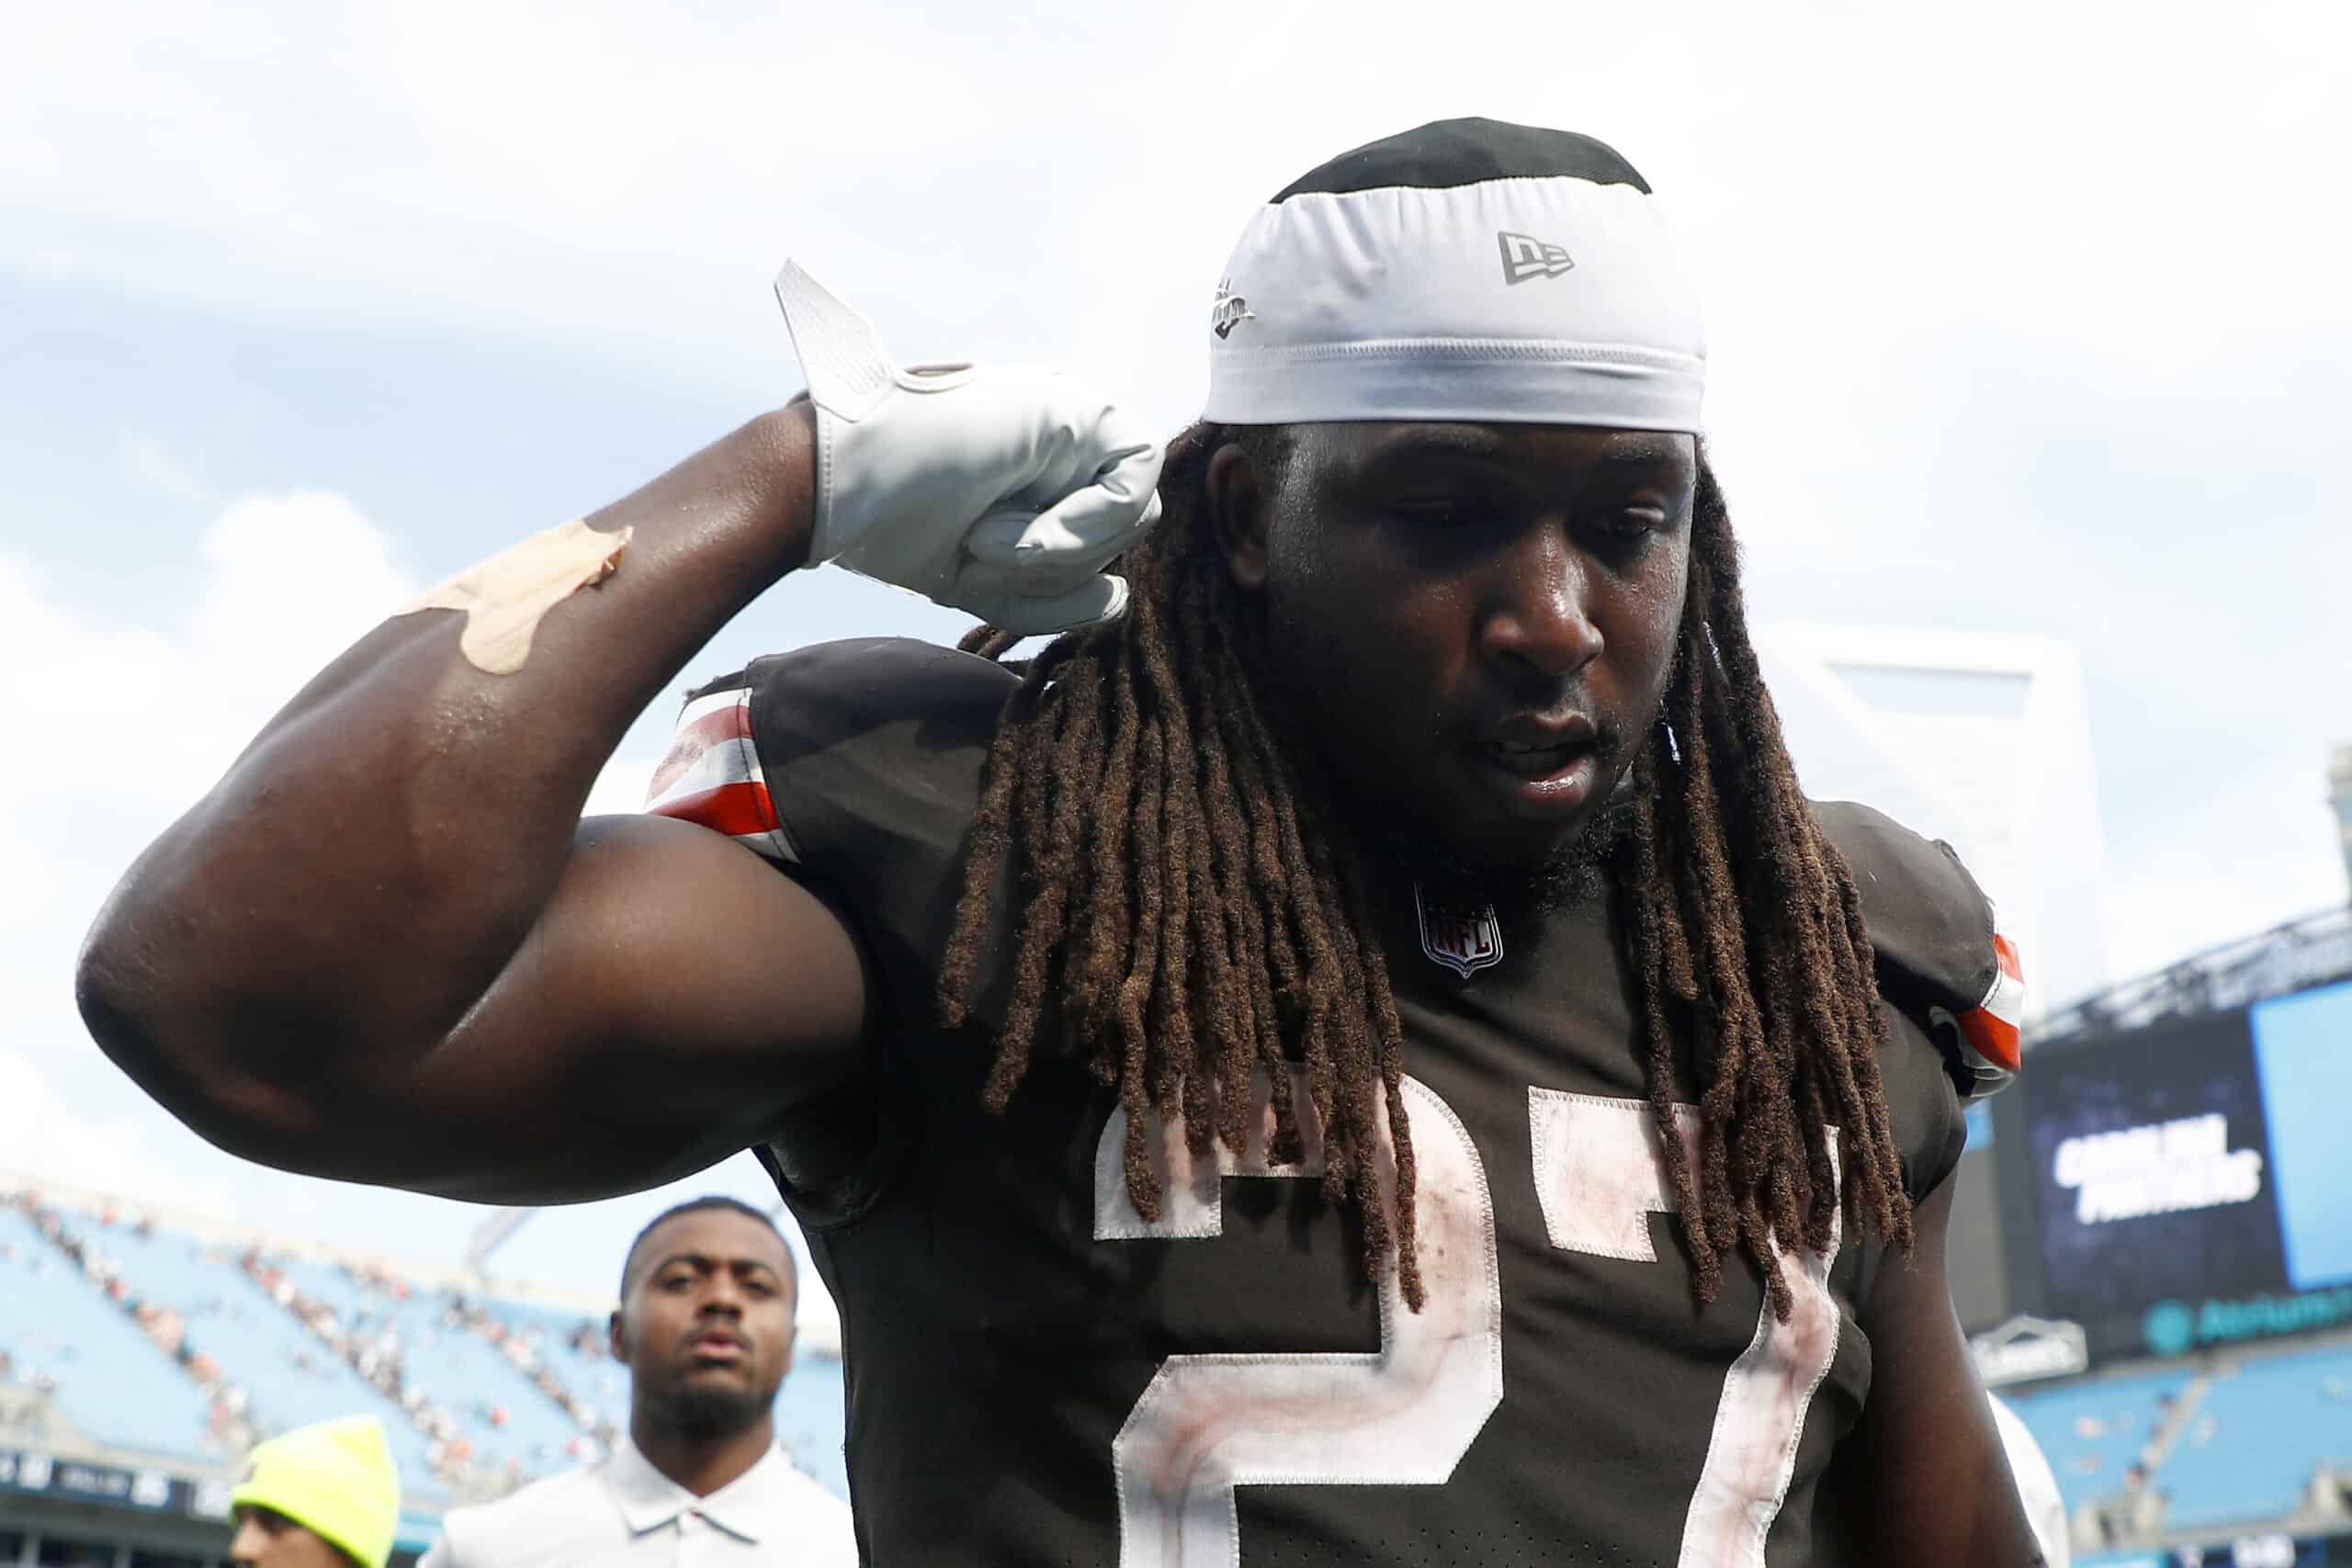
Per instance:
(1000,491)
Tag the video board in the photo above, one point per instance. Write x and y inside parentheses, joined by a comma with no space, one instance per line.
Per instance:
(2189,1183)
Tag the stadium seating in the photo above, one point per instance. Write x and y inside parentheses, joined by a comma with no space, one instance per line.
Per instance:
(469,1367)
(336,1288)
(113,1385)
(2251,1446)
(2093,1432)
(473,1379)
(289,1376)
(598,1381)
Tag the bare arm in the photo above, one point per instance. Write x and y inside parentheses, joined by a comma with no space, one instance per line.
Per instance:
(1922,1479)
(384,948)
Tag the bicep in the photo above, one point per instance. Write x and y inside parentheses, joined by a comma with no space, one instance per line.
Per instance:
(676,994)
(1923,1478)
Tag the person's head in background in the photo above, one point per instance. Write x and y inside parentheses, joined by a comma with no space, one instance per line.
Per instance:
(321,1497)
(704,1323)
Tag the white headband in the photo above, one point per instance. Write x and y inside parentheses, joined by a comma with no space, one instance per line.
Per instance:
(1539,298)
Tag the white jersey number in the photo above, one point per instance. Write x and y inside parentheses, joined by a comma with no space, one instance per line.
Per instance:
(1406,1414)
(1599,1175)
(1401,1415)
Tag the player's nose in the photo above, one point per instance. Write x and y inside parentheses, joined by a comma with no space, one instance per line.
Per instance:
(1537,614)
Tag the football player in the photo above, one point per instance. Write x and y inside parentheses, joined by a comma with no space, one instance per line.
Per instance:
(1359,1051)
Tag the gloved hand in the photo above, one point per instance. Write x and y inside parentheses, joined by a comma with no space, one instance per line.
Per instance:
(1000,491)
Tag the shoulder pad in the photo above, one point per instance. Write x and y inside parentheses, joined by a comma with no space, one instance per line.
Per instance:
(1940,955)
(862,763)
(837,691)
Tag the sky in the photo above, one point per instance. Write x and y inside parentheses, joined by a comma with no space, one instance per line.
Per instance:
(2024,319)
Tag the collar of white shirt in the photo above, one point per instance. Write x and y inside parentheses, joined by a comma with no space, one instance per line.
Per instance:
(752,1506)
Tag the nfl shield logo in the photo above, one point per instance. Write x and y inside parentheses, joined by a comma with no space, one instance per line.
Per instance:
(1465,944)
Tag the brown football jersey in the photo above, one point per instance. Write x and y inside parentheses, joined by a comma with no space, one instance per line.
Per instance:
(1038,1375)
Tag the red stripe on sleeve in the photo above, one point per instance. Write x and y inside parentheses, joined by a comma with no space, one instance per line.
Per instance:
(734,809)
(1994,1037)
(732,722)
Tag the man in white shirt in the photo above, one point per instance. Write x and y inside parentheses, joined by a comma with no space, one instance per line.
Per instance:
(704,1325)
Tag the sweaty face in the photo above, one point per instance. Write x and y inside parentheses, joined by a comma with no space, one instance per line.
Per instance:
(1472,625)
(706,1322)
(267,1538)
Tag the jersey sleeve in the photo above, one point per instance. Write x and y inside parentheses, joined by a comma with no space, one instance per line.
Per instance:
(856,767)
(711,774)
(1941,956)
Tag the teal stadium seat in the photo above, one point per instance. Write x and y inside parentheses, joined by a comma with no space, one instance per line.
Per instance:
(118,1387)
(113,1385)
(2092,1432)
(2253,1444)
(289,1376)
(467,1377)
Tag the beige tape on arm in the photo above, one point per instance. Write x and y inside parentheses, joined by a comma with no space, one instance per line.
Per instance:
(505,597)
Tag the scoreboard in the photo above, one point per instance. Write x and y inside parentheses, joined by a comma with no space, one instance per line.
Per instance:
(2185,1184)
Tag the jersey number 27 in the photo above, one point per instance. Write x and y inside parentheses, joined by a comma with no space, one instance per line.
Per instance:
(1405,1414)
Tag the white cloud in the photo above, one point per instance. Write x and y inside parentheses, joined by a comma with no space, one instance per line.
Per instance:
(125,727)
(131,723)
(122,728)
(288,580)
(134,723)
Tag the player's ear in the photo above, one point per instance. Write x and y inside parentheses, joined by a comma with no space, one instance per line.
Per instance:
(616,1336)
(1239,503)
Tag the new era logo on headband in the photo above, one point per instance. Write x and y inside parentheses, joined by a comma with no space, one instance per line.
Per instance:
(1228,311)
(1525,256)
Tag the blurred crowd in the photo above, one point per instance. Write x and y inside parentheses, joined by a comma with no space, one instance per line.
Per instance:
(372,1345)
(230,1421)
(369,1339)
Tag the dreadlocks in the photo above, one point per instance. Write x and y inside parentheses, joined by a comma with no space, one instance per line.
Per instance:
(1195,916)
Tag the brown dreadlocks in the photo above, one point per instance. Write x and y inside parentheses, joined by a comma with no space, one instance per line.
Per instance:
(1197,916)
